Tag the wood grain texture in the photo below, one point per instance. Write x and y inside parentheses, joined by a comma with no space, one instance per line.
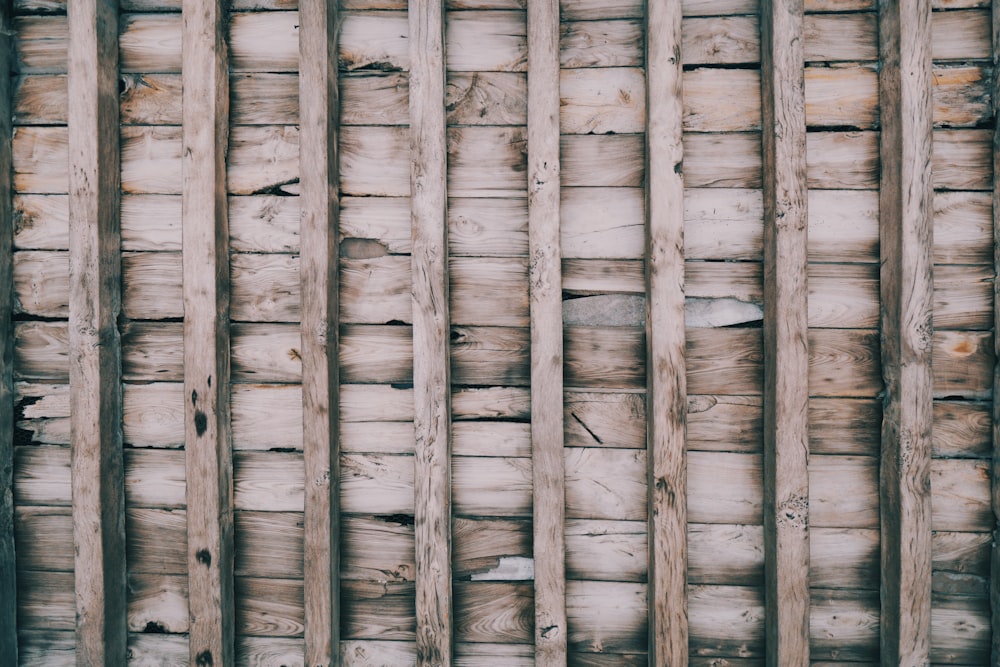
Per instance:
(666,376)
(206,357)
(545,307)
(94,348)
(786,340)
(429,187)
(318,169)
(994,590)
(906,285)
(8,581)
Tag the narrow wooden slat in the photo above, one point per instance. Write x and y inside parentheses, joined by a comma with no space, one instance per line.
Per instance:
(8,583)
(786,347)
(205,233)
(545,308)
(905,224)
(95,352)
(666,376)
(318,120)
(431,367)
(995,430)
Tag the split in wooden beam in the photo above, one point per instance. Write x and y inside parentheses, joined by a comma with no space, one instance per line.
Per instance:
(95,351)
(995,467)
(431,365)
(905,224)
(205,233)
(786,348)
(545,304)
(666,375)
(8,561)
(318,122)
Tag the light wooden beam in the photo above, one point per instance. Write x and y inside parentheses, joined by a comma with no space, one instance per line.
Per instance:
(545,303)
(94,347)
(431,365)
(905,224)
(205,234)
(666,374)
(8,561)
(318,122)
(995,468)
(786,348)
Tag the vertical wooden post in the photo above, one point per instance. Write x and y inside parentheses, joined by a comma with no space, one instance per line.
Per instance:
(905,223)
(431,366)
(95,353)
(545,302)
(995,468)
(786,349)
(206,334)
(666,375)
(8,562)
(318,120)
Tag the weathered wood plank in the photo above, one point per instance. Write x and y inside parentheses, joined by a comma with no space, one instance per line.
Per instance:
(95,353)
(666,376)
(786,351)
(994,573)
(544,223)
(8,581)
(318,169)
(206,356)
(429,189)
(905,223)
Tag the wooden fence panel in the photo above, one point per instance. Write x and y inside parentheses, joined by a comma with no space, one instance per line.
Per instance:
(599,333)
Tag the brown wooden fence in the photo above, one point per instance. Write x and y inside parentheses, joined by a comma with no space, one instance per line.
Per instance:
(498,332)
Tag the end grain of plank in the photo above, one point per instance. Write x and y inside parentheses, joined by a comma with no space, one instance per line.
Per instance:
(905,226)
(319,111)
(545,308)
(786,348)
(666,374)
(431,367)
(8,584)
(205,232)
(95,351)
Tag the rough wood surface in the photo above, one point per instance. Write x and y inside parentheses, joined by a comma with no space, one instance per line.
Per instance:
(94,348)
(544,222)
(318,102)
(429,188)
(994,574)
(666,381)
(786,352)
(8,582)
(206,354)
(906,284)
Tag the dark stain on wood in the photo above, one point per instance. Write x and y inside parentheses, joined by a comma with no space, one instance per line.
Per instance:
(204,557)
(205,659)
(200,422)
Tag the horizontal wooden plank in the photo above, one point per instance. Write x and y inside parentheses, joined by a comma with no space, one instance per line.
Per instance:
(608,100)
(500,612)
(378,610)
(45,600)
(840,37)
(725,488)
(727,40)
(960,631)
(961,429)
(602,223)
(845,426)
(842,160)
(606,616)
(963,160)
(269,607)
(961,35)
(44,537)
(599,44)
(722,160)
(961,364)
(726,621)
(157,541)
(963,228)
(960,495)
(844,363)
(158,603)
(601,550)
(844,625)
(829,506)
(605,484)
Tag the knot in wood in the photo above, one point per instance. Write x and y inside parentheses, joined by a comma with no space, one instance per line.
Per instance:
(793,512)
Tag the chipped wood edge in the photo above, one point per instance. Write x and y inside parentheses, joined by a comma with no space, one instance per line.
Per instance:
(545,308)
(319,112)
(8,561)
(666,376)
(786,347)
(98,486)
(209,469)
(905,229)
(431,364)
